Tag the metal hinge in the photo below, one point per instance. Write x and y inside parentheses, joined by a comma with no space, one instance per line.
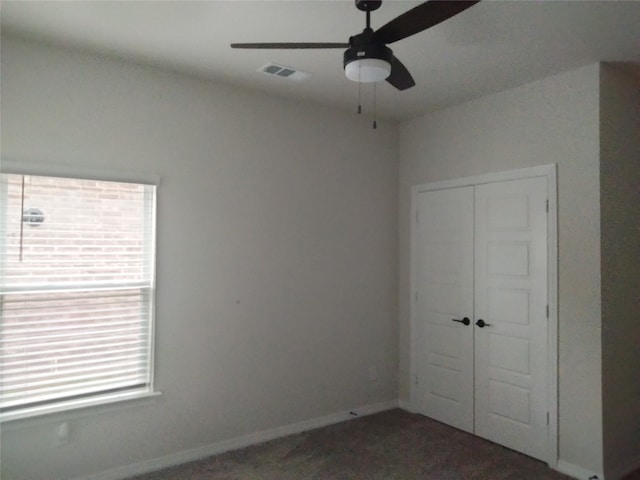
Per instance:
(547,418)
(416,380)
(547,206)
(547,311)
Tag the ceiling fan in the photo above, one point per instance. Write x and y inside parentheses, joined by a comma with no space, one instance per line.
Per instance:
(367,58)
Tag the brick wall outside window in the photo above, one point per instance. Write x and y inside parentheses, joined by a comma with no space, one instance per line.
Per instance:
(89,228)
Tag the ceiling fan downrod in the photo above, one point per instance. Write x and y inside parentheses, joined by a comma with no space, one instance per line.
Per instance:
(368,6)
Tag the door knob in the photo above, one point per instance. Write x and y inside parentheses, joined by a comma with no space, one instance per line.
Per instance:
(464,321)
(481,323)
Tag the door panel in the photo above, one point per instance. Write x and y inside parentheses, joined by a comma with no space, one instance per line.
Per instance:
(511,296)
(444,280)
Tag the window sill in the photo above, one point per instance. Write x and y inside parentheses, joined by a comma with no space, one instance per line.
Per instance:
(76,408)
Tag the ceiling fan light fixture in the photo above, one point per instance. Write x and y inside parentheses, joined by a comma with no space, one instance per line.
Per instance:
(367,63)
(367,70)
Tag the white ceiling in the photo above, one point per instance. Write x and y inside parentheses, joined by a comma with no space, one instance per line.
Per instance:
(492,46)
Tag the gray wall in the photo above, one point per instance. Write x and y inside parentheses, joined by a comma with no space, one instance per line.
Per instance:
(620,256)
(277,246)
(555,120)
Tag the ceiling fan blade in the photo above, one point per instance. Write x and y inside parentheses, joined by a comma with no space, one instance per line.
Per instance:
(291,45)
(400,76)
(425,15)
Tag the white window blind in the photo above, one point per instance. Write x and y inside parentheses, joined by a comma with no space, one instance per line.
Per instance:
(76,290)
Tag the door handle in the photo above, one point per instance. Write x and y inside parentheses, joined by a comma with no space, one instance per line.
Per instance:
(481,323)
(464,321)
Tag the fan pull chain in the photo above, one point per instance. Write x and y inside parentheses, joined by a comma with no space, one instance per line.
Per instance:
(375,108)
(359,93)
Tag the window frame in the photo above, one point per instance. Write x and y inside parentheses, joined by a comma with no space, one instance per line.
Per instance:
(98,398)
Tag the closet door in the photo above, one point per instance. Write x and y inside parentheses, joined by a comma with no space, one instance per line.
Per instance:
(511,298)
(444,298)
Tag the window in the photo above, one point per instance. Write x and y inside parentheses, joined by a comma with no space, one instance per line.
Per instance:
(76,292)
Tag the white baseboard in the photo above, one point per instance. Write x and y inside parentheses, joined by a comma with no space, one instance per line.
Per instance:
(576,471)
(154,464)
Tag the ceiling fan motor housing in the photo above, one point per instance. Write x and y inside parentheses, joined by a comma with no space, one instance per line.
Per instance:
(368,63)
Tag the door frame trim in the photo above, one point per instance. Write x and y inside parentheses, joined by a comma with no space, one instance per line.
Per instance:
(550,173)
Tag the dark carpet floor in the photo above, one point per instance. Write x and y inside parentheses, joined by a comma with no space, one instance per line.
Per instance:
(393,445)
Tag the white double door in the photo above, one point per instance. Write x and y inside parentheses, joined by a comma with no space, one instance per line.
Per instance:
(480,254)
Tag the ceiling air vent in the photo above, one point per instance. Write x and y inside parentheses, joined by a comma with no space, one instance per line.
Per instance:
(284,72)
